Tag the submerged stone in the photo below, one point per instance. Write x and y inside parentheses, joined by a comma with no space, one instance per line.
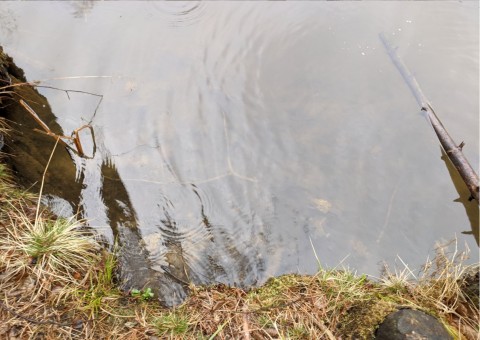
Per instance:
(411,324)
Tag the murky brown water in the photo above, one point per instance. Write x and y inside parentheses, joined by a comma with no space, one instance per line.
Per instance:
(233,138)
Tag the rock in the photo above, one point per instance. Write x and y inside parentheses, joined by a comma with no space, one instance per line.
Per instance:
(411,324)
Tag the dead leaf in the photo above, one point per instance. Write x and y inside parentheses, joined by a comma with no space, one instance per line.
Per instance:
(322,205)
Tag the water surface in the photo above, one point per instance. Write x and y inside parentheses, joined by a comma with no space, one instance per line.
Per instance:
(234,139)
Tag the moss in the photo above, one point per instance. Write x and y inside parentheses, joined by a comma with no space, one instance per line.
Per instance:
(362,320)
(274,288)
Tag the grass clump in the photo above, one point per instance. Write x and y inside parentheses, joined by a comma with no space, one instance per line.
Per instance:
(443,288)
(100,288)
(172,324)
(43,261)
(56,248)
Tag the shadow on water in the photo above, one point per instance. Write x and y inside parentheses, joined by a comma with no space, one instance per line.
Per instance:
(471,206)
(29,154)
(134,265)
(30,150)
(138,267)
(168,267)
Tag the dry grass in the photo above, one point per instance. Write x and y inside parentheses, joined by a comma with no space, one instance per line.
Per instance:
(56,282)
(443,288)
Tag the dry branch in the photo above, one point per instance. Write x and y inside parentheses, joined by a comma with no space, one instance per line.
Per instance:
(453,151)
(75,134)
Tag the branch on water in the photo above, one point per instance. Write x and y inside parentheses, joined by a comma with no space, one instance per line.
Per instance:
(453,150)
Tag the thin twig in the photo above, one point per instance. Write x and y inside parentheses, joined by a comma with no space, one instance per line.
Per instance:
(35,116)
(42,183)
(76,137)
(37,83)
(67,91)
(389,211)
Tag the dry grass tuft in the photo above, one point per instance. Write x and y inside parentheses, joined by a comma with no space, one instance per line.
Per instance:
(444,286)
(47,250)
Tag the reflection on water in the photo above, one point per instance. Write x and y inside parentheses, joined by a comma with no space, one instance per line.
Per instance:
(81,9)
(233,137)
(464,197)
(31,149)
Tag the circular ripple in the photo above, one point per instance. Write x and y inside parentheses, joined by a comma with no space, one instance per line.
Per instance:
(180,14)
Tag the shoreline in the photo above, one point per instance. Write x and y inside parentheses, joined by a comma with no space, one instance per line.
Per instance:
(82,300)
